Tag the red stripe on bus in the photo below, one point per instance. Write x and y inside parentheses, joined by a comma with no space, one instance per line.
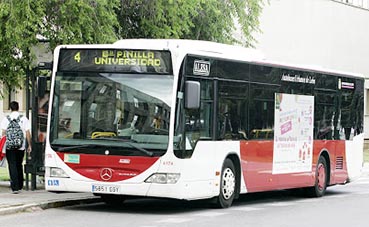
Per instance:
(257,166)
(95,167)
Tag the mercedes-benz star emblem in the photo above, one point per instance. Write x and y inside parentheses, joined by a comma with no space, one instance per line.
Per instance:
(106,174)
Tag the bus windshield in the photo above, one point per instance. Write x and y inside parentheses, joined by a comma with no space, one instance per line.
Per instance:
(127,113)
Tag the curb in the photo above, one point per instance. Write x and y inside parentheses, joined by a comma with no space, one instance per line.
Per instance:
(46,205)
(69,202)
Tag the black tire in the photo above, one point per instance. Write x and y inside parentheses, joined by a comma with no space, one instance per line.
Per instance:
(321,179)
(228,182)
(112,200)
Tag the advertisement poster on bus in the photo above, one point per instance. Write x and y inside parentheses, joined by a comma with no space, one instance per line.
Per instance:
(293,134)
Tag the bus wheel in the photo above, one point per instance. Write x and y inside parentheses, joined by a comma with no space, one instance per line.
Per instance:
(112,200)
(227,185)
(321,178)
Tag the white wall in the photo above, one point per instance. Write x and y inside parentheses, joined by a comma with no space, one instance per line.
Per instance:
(322,33)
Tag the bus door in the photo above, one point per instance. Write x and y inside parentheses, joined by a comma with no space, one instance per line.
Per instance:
(257,151)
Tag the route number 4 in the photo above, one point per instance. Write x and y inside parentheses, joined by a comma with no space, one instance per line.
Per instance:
(77,57)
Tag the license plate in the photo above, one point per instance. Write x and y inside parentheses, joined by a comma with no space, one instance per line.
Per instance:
(111,189)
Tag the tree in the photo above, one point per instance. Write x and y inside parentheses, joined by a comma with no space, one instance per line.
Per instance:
(213,20)
(217,21)
(83,21)
(59,21)
(156,19)
(104,21)
(18,22)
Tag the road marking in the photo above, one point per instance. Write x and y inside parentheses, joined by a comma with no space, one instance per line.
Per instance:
(246,209)
(310,200)
(280,204)
(209,214)
(336,196)
(174,220)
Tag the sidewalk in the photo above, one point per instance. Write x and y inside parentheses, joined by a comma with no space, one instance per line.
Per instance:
(38,199)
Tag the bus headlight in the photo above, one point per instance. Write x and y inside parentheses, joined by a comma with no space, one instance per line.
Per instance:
(163,178)
(56,172)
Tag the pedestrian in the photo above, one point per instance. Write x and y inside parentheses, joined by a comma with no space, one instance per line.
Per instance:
(17,129)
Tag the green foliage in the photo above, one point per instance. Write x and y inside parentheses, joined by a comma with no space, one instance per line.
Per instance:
(212,20)
(104,21)
(59,21)
(17,26)
(156,19)
(83,21)
(366,155)
(4,175)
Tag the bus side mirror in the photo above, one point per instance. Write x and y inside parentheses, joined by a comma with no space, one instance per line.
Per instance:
(192,99)
(41,86)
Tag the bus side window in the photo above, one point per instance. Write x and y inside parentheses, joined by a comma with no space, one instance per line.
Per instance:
(262,134)
(262,111)
(324,116)
(224,122)
(198,121)
(232,111)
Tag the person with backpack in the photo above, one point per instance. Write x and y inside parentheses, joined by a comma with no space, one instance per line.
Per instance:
(17,129)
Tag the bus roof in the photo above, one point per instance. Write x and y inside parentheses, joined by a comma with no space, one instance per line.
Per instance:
(211,49)
(225,51)
(312,68)
(196,47)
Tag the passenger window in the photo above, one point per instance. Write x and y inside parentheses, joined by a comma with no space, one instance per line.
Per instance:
(199,121)
(232,110)
(325,115)
(262,111)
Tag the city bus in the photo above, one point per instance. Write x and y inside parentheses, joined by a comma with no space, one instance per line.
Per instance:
(197,120)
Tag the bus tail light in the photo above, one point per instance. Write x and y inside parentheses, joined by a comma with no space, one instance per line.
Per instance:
(163,178)
(56,172)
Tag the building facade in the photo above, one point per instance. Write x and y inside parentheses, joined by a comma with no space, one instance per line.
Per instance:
(331,34)
(8,95)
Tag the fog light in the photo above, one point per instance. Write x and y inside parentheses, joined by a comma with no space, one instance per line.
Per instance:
(163,178)
(56,172)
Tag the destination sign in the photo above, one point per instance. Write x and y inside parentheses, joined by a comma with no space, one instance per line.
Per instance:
(115,61)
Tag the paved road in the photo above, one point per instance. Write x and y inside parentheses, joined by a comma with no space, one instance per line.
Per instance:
(343,206)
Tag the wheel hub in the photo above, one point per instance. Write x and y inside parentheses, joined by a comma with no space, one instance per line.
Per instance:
(228,183)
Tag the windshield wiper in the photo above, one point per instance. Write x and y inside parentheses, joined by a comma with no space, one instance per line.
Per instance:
(76,147)
(129,142)
(143,150)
